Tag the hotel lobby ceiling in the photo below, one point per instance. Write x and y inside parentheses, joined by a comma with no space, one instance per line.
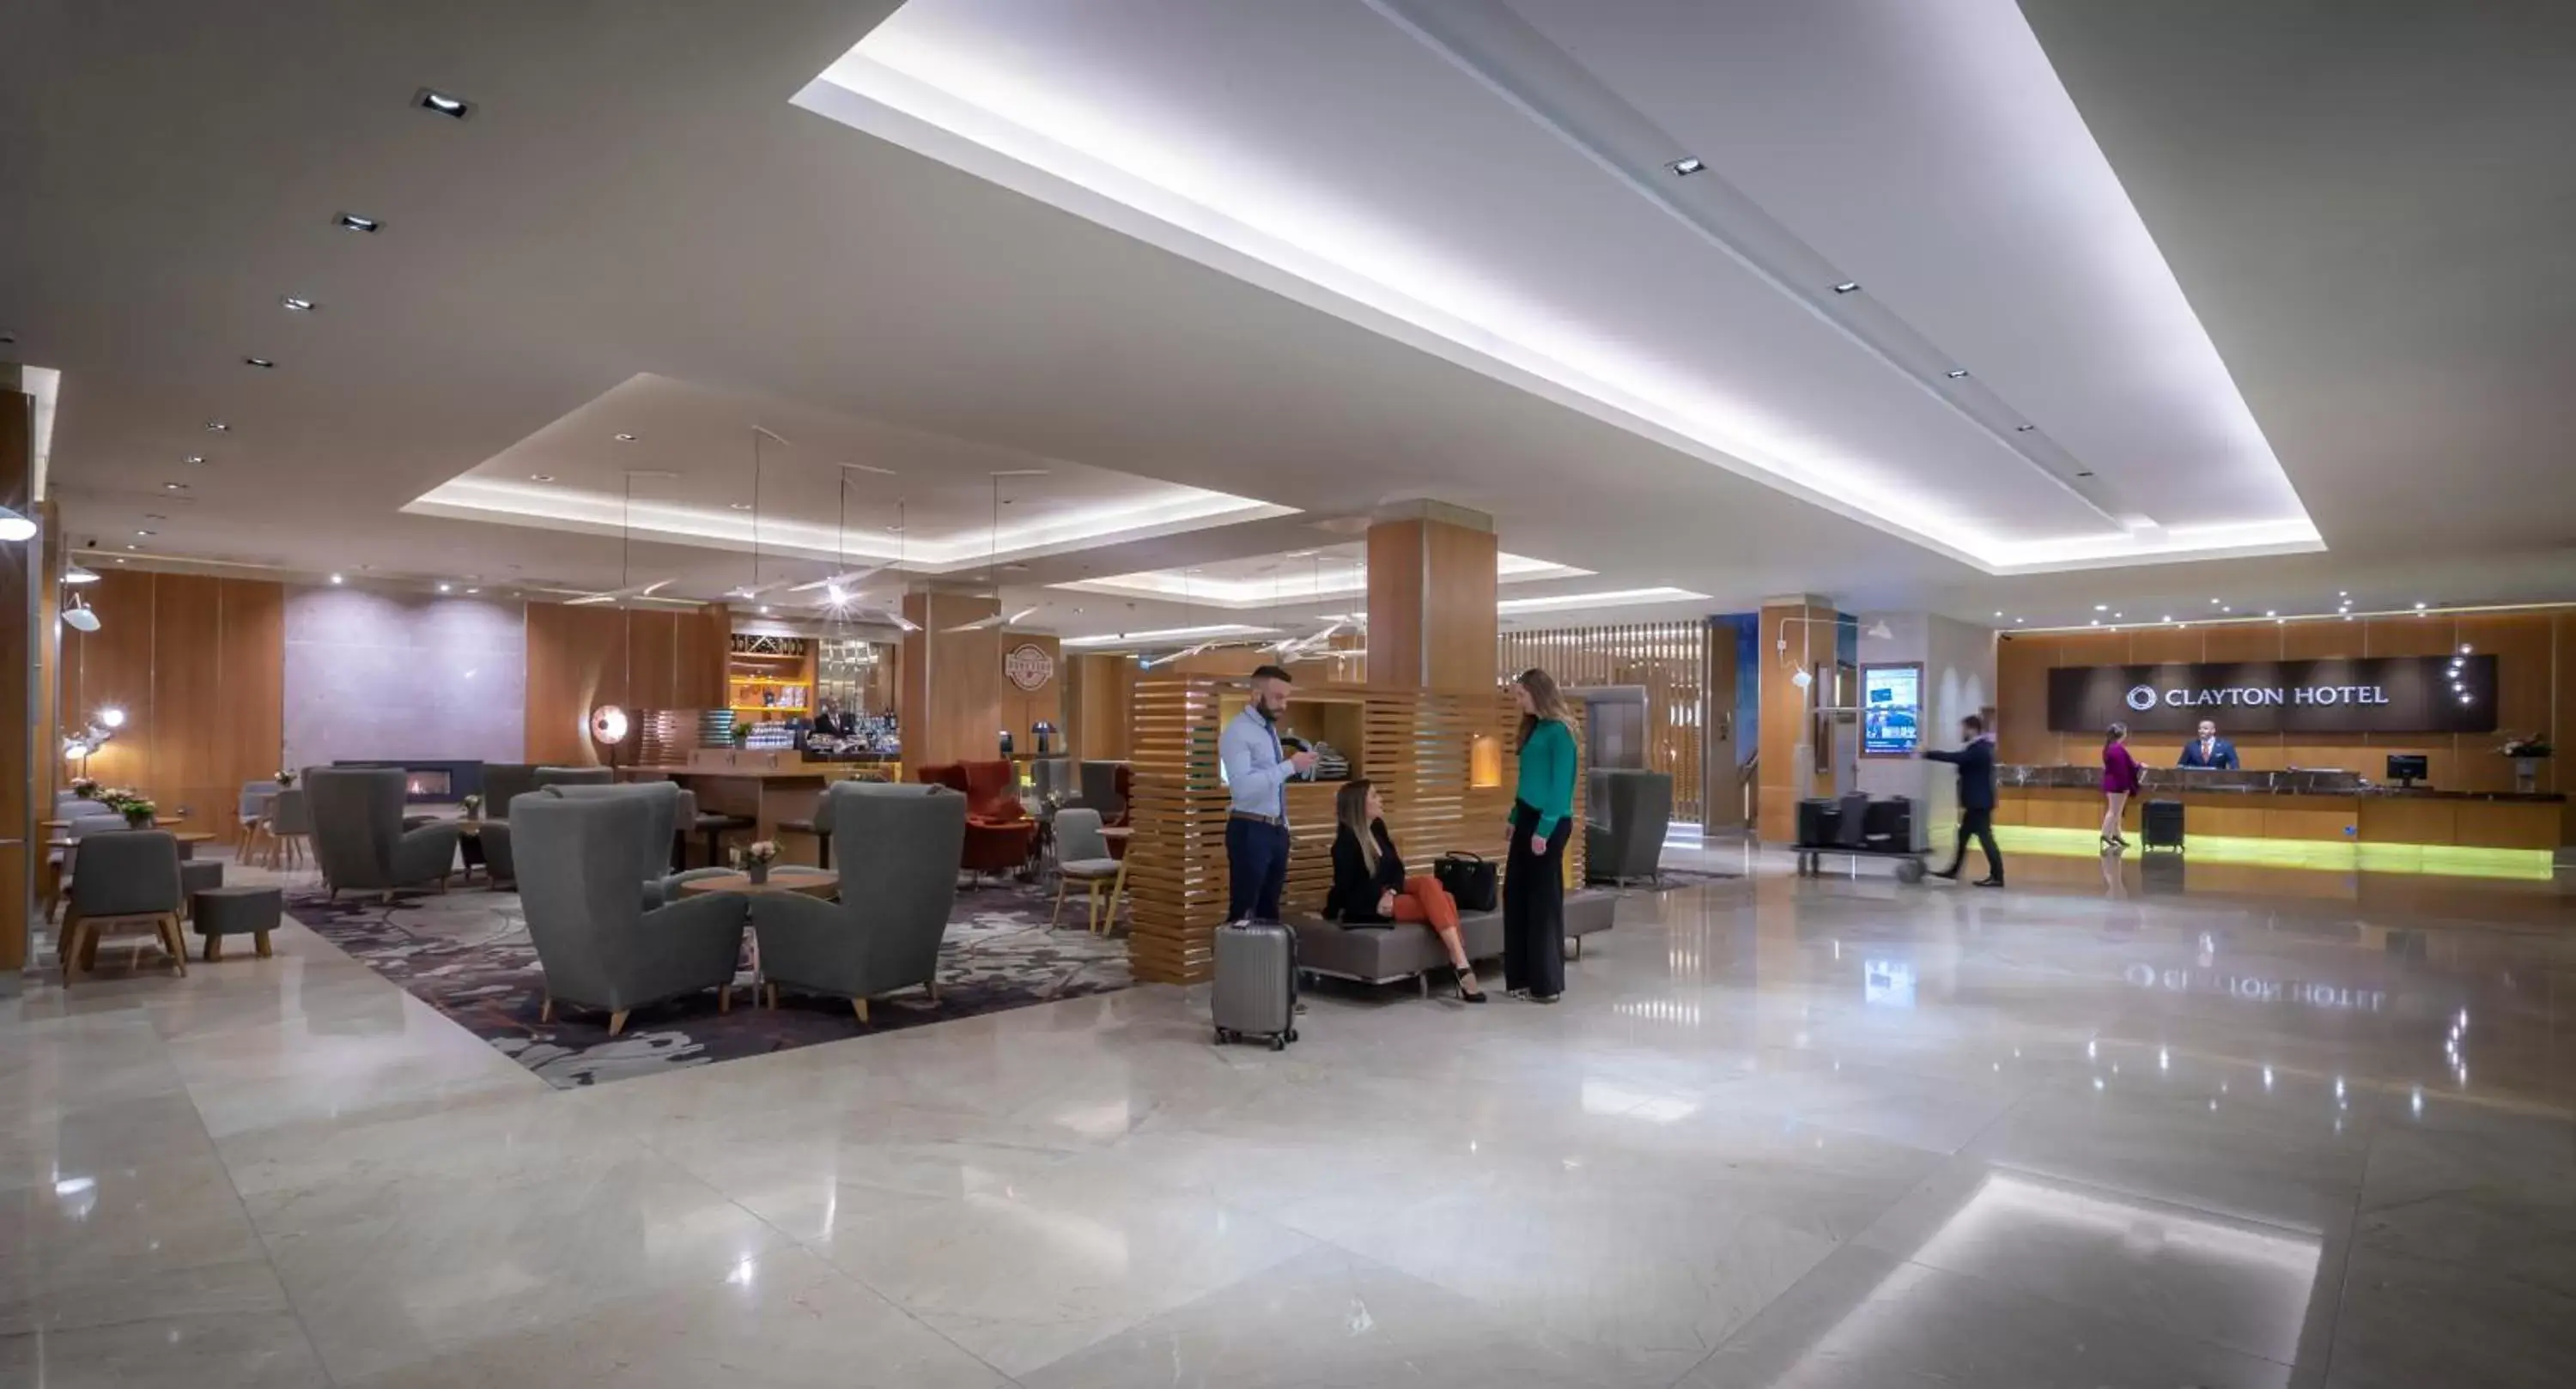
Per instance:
(636,199)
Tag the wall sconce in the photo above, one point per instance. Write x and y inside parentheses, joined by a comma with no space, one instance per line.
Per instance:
(1484,762)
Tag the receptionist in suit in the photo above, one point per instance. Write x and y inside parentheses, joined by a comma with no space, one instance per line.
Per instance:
(2209,750)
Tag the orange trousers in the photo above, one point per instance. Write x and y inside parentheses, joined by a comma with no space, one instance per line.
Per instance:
(1425,900)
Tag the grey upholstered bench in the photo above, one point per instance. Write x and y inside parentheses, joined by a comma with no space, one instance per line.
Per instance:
(1387,954)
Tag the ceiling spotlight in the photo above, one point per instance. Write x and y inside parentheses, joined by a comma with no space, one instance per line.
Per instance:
(454,107)
(295,305)
(174,487)
(2118,615)
(2347,617)
(474,590)
(2343,593)
(626,438)
(1956,373)
(1848,287)
(739,506)
(2419,607)
(2024,428)
(130,547)
(2271,612)
(194,460)
(442,588)
(144,533)
(2465,648)
(2094,623)
(2213,602)
(218,427)
(263,363)
(2021,619)
(1685,167)
(14,526)
(336,579)
(350,221)
(2101,607)
(2168,617)
(541,477)
(764,612)
(2464,699)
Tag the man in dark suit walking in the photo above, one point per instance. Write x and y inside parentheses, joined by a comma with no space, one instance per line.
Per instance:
(1975,760)
(2209,750)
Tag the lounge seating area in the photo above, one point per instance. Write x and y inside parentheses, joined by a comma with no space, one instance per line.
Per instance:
(1396,951)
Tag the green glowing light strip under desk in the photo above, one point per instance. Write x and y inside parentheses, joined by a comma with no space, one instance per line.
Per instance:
(2440,860)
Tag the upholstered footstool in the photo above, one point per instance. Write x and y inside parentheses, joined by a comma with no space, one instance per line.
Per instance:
(199,875)
(235,911)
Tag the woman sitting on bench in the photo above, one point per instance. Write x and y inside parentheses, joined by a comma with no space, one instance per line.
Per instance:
(1369,886)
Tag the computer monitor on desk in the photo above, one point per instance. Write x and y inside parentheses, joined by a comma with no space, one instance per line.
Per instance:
(2407,768)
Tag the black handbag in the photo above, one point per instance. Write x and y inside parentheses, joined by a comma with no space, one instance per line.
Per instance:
(1467,878)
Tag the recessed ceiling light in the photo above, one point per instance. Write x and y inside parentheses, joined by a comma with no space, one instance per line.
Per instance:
(442,588)
(541,477)
(474,590)
(218,427)
(145,533)
(350,221)
(1686,167)
(2213,602)
(2117,615)
(335,578)
(2270,612)
(626,438)
(263,363)
(739,506)
(2021,619)
(174,487)
(2168,617)
(194,460)
(2347,617)
(764,611)
(130,547)
(296,305)
(1848,287)
(2094,623)
(2419,607)
(2343,593)
(1958,372)
(1999,612)
(2101,607)
(455,107)
(2024,428)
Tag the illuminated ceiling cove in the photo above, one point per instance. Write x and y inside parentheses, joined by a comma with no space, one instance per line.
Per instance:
(1906,287)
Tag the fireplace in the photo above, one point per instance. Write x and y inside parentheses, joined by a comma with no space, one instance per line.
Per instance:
(431,781)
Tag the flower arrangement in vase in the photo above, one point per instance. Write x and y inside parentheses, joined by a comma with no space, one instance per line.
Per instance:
(473,802)
(85,787)
(136,807)
(752,860)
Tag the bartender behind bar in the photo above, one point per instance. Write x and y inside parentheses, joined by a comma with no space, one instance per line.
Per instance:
(830,722)
(2208,750)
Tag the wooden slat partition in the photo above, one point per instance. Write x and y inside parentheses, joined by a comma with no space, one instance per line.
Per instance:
(1416,745)
(1670,659)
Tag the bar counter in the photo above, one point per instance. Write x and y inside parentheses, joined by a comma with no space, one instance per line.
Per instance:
(2331,806)
(765,785)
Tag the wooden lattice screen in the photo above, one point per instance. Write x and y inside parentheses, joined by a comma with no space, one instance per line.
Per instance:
(1669,659)
(1418,746)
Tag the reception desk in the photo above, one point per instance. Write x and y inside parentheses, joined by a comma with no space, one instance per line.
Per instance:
(2295,807)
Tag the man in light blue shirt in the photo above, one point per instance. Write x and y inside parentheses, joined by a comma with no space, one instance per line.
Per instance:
(1256,775)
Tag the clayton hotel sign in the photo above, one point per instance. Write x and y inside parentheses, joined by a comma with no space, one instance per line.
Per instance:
(2370,694)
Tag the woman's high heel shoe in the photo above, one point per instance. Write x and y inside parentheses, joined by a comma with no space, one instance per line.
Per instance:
(1467,990)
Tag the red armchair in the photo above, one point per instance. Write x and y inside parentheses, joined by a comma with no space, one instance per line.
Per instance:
(1000,836)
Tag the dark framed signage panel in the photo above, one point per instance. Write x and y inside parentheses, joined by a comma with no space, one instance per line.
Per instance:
(2362,694)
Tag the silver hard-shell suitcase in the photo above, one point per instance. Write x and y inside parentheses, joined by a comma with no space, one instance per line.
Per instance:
(1256,983)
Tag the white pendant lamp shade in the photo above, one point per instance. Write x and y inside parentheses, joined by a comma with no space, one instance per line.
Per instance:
(78,616)
(14,526)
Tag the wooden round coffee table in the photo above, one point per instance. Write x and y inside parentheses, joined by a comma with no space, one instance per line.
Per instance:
(813,882)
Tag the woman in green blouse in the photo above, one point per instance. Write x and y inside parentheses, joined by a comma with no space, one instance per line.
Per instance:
(1542,820)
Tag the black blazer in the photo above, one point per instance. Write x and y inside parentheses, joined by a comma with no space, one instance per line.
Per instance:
(837,724)
(1976,764)
(1356,890)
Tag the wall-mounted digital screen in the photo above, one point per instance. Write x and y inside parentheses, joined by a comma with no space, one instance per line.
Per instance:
(1891,710)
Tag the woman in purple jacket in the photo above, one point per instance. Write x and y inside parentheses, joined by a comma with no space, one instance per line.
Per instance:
(2119,782)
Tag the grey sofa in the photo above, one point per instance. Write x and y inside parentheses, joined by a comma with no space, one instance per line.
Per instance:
(600,947)
(1632,809)
(899,846)
(359,839)
(1403,950)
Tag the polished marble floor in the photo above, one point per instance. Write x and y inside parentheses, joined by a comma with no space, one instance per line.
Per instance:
(2095,1130)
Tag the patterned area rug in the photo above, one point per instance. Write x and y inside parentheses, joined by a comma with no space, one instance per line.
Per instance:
(467,955)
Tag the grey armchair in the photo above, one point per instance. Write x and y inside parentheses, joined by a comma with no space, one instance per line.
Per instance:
(575,776)
(664,804)
(598,946)
(358,835)
(503,782)
(899,846)
(1052,779)
(1100,790)
(128,878)
(1631,811)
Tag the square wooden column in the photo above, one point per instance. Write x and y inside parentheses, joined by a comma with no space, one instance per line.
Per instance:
(1431,622)
(950,700)
(26,740)
(1788,773)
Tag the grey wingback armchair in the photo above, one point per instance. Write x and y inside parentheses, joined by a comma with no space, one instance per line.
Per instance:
(898,848)
(667,808)
(599,947)
(358,835)
(503,782)
(1634,809)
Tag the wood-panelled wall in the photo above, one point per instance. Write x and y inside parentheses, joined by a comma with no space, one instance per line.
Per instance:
(951,700)
(198,664)
(1022,710)
(2535,651)
(1100,697)
(1787,711)
(580,658)
(1670,659)
(1417,745)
